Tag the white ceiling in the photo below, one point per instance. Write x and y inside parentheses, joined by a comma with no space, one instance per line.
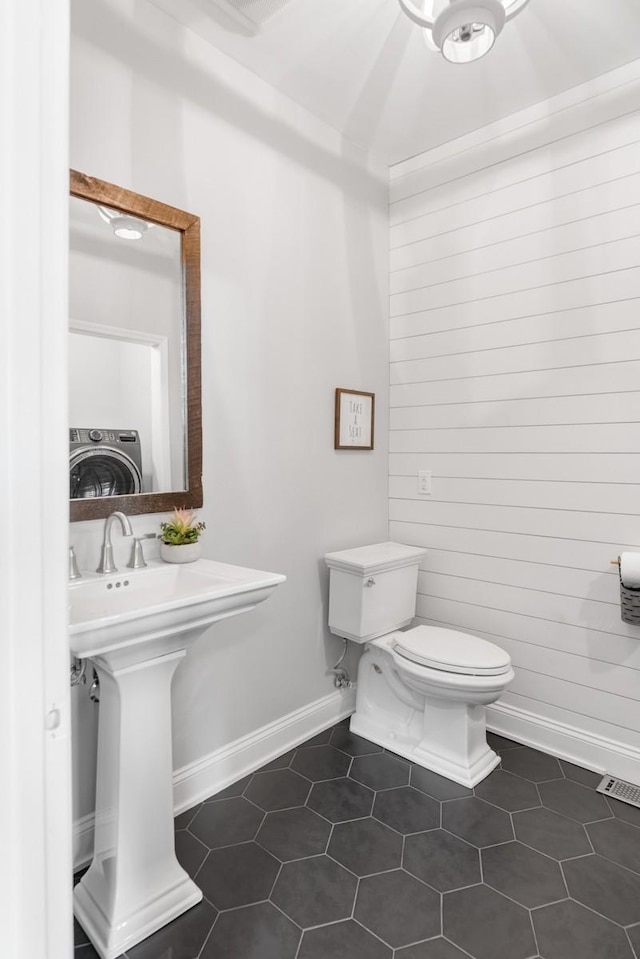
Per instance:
(362,66)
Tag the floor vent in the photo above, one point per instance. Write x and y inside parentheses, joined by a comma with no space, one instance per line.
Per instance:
(619,789)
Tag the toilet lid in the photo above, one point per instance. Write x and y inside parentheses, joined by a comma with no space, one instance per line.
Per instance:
(450,651)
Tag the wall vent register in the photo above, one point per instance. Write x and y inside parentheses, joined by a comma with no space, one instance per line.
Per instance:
(619,789)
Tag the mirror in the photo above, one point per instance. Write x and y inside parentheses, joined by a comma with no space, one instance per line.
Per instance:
(135,437)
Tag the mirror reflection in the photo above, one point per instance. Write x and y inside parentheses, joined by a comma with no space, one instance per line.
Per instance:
(134,363)
(126,354)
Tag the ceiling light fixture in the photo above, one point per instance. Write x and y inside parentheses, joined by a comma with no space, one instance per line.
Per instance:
(125,226)
(463,30)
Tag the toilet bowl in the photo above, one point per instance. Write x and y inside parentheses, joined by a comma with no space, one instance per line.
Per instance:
(421,692)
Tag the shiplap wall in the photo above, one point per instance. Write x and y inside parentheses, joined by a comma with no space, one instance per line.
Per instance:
(515,379)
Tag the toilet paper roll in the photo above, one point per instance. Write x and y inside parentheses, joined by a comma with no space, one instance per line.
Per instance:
(630,570)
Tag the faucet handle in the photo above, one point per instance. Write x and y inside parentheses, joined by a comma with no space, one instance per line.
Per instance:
(74,572)
(137,560)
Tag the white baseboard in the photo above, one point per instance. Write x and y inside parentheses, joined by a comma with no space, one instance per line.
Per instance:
(212,773)
(564,741)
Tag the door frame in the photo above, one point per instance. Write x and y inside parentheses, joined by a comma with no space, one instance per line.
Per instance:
(35,727)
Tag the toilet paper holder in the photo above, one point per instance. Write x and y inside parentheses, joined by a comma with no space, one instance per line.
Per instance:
(629,598)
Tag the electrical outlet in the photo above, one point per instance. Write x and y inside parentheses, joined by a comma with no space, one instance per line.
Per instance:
(424,482)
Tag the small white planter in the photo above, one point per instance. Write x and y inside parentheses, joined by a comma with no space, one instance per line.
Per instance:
(187,553)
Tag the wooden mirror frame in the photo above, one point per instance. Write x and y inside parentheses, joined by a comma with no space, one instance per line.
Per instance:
(106,194)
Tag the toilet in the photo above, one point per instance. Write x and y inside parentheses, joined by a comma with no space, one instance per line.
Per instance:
(421,692)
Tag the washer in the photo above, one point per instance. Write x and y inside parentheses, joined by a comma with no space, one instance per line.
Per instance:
(104,463)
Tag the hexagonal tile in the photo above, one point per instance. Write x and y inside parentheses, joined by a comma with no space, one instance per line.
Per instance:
(321,762)
(487,925)
(477,822)
(183,820)
(573,800)
(320,739)
(181,939)
(315,891)
(365,846)
(342,940)
(281,762)
(80,938)
(85,951)
(380,771)
(294,833)
(437,786)
(499,743)
(508,791)
(238,875)
(605,887)
(235,789)
(434,949)
(340,800)
(567,930)
(531,764)
(280,789)
(226,821)
(578,774)
(550,833)
(523,874)
(398,908)
(617,840)
(407,810)
(622,810)
(190,852)
(342,738)
(253,932)
(442,860)
(634,936)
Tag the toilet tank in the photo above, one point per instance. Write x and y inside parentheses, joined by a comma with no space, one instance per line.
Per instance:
(372,589)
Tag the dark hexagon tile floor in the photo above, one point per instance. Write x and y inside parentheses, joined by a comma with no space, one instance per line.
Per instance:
(340,850)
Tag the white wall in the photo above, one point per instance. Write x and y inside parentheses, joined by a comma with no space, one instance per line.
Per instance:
(515,372)
(294,293)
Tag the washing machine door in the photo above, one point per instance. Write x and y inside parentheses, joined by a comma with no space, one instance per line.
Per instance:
(102,471)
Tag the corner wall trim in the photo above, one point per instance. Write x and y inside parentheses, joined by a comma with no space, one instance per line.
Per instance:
(574,745)
(209,775)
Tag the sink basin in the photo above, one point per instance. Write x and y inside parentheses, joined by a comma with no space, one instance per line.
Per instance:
(136,627)
(145,608)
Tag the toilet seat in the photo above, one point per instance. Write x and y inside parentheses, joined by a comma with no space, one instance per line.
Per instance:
(450,651)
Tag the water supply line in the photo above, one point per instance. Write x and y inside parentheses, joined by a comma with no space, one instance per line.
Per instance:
(78,671)
(94,689)
(341,678)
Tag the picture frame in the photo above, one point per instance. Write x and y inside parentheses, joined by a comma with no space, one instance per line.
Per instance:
(354,419)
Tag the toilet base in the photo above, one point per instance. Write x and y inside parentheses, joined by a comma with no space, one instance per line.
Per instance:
(414,749)
(460,773)
(444,732)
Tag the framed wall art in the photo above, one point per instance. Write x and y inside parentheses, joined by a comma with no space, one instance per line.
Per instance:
(354,420)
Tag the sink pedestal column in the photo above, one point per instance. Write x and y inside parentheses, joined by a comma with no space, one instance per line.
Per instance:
(135,884)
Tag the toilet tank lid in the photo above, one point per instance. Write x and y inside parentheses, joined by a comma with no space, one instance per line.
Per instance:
(451,651)
(365,560)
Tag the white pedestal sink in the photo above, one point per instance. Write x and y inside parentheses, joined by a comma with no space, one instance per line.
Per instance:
(136,626)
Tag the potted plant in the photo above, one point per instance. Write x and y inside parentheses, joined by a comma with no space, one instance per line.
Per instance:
(180,537)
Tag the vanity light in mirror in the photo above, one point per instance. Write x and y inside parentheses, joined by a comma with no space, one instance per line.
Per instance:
(124,226)
(134,353)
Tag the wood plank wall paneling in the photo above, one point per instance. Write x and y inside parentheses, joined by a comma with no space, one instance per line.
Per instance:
(515,379)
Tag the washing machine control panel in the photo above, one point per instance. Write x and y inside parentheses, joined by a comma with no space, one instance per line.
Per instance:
(102,436)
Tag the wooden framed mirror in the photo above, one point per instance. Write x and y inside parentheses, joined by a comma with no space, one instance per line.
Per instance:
(135,425)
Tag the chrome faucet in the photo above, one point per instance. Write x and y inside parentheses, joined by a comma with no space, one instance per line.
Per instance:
(106,557)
